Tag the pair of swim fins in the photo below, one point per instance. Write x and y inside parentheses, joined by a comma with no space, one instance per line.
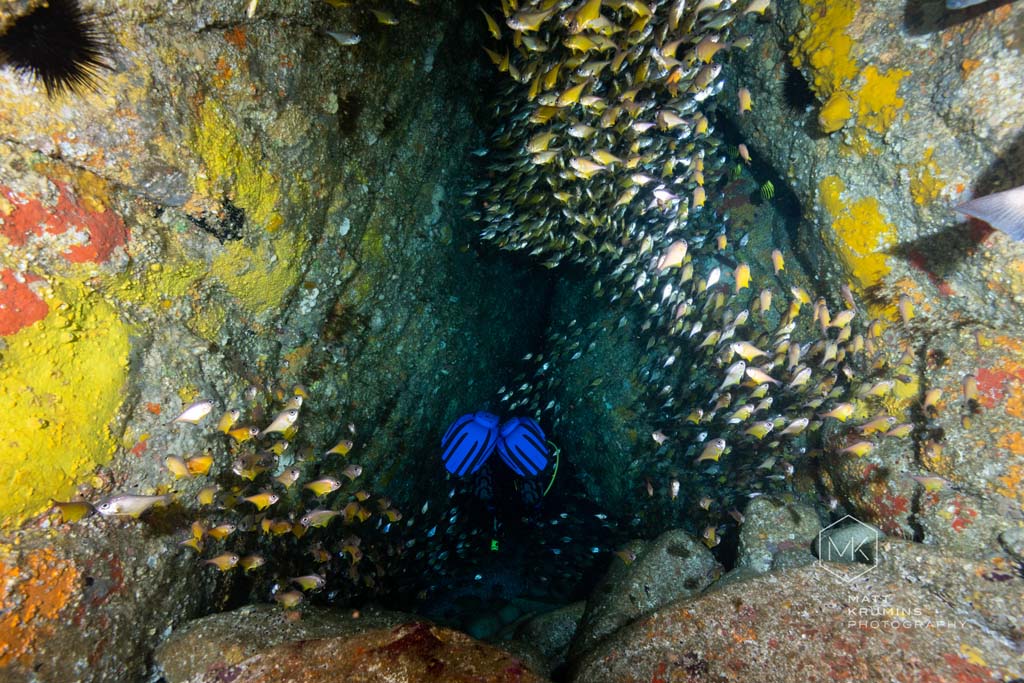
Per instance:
(474,437)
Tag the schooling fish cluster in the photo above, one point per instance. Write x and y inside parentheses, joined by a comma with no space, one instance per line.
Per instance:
(602,157)
(291,520)
(604,147)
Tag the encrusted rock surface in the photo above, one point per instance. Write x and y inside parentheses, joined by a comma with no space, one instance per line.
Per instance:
(881,117)
(221,641)
(241,201)
(413,652)
(672,567)
(771,527)
(551,632)
(893,623)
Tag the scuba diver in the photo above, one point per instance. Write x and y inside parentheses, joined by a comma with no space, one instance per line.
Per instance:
(521,445)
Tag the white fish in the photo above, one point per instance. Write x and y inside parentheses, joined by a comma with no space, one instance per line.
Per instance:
(283,421)
(195,412)
(345,38)
(1004,211)
(128,505)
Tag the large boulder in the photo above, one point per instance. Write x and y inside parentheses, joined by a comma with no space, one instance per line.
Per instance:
(897,622)
(771,527)
(551,632)
(223,640)
(414,652)
(672,567)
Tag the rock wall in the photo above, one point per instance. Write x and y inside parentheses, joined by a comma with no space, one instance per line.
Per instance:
(240,200)
(897,112)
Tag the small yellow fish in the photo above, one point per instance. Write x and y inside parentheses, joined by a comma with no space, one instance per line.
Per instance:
(757,6)
(73,510)
(843,318)
(289,599)
(529,21)
(706,49)
(221,531)
(492,25)
(699,197)
(746,350)
(901,431)
(710,537)
(587,14)
(721,242)
(250,562)
(760,376)
(795,427)
(318,518)
(906,308)
(309,582)
(352,471)
(880,424)
(627,556)
(586,168)
(742,277)
(745,103)
(860,449)
(279,527)
(841,412)
(243,433)
(341,448)
(931,401)
(279,447)
(262,500)
(199,465)
(195,541)
(320,556)
(289,477)
(741,414)
(206,495)
(228,420)
(224,561)
(384,17)
(759,430)
(971,389)
(282,421)
(321,487)
(930,483)
(674,255)
(744,153)
(353,551)
(705,503)
(177,467)
(713,450)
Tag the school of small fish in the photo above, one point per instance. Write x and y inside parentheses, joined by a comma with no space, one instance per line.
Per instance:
(603,156)
(254,511)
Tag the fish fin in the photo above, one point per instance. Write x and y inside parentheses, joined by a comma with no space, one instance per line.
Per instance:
(1004,211)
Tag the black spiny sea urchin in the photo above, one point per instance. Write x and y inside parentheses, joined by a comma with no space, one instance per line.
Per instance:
(58,43)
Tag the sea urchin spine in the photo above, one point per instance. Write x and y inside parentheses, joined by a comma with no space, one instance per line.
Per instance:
(57,43)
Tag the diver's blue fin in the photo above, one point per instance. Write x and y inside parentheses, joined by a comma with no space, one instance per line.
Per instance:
(522,447)
(469,442)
